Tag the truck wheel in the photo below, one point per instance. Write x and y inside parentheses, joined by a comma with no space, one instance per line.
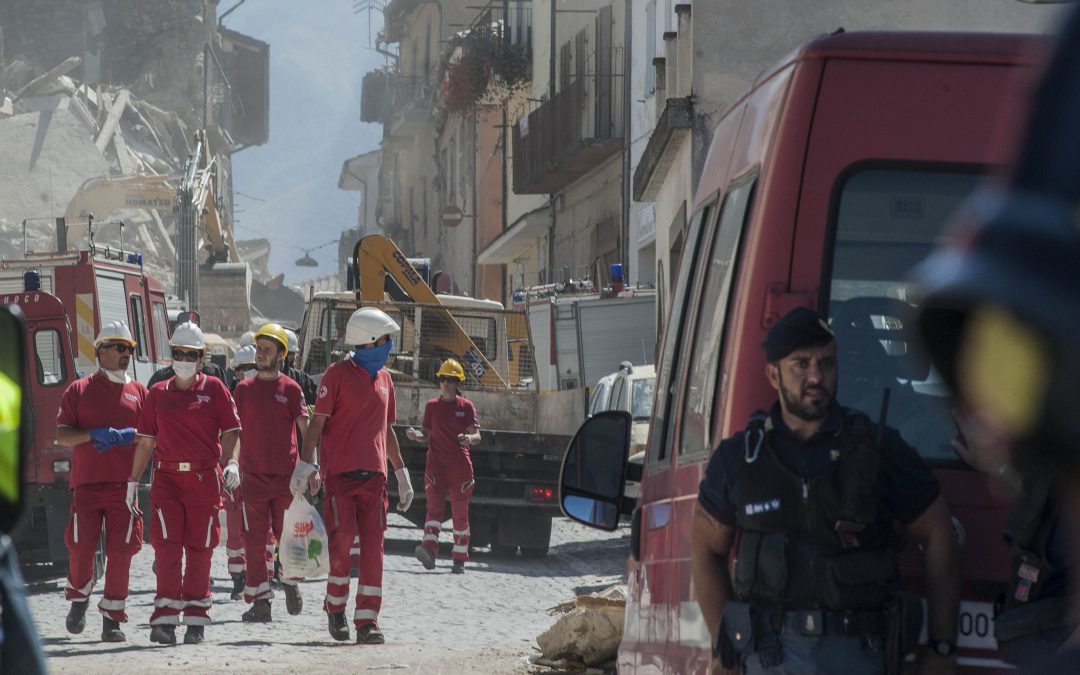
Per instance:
(534,552)
(504,550)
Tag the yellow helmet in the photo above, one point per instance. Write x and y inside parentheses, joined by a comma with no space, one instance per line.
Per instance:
(451,368)
(274,331)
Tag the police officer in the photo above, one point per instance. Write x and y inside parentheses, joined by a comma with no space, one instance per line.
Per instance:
(805,499)
(351,428)
(186,423)
(97,418)
(999,315)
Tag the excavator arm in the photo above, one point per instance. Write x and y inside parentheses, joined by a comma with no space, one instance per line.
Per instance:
(382,270)
(101,196)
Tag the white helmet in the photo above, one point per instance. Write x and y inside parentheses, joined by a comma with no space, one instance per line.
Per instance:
(114,331)
(294,342)
(368,324)
(245,356)
(187,335)
(247,339)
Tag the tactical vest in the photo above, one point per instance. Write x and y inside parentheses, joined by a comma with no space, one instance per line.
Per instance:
(813,543)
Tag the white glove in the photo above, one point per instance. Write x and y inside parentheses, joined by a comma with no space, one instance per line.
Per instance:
(412,434)
(404,489)
(232,475)
(132,498)
(299,481)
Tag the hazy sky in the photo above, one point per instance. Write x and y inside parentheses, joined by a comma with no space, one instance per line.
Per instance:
(319,52)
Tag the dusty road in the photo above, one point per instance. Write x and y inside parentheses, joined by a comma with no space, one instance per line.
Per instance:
(484,621)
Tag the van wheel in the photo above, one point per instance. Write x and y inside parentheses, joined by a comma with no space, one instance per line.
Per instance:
(504,550)
(534,552)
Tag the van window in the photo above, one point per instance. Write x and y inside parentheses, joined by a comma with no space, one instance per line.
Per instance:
(705,354)
(49,357)
(598,402)
(660,436)
(887,221)
(138,327)
(161,331)
(641,398)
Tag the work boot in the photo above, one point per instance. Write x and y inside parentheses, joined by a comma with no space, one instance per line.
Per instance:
(294,602)
(110,631)
(425,556)
(275,581)
(339,630)
(165,634)
(238,582)
(369,634)
(259,612)
(458,568)
(76,618)
(194,635)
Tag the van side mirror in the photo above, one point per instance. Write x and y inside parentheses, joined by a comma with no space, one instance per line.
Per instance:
(15,431)
(594,470)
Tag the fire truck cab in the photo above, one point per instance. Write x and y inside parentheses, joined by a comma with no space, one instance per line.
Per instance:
(824,185)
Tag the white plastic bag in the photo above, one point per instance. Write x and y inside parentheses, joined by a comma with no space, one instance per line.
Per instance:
(304,550)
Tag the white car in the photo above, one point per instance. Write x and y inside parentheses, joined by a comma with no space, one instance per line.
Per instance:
(630,389)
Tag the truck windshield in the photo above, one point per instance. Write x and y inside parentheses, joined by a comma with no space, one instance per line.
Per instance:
(886,223)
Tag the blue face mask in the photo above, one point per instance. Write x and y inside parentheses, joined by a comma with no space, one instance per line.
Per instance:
(373,359)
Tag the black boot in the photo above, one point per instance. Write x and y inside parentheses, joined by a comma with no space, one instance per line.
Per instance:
(294,602)
(259,612)
(194,635)
(164,634)
(339,629)
(110,631)
(458,568)
(369,634)
(238,582)
(76,618)
(425,556)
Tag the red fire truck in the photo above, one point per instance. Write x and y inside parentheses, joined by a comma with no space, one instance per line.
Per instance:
(66,298)
(824,185)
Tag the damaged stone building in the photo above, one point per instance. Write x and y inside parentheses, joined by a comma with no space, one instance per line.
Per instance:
(115,108)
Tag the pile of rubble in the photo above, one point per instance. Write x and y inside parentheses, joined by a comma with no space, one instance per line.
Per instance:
(57,134)
(586,636)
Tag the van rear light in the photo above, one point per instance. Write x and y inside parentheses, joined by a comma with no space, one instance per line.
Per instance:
(61,466)
(540,494)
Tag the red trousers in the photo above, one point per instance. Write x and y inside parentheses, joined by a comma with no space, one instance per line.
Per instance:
(234,535)
(266,496)
(92,506)
(184,530)
(456,481)
(354,507)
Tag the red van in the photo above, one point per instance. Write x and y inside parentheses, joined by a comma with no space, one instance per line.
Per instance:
(824,185)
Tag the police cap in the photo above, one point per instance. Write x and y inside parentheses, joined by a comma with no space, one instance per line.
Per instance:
(801,327)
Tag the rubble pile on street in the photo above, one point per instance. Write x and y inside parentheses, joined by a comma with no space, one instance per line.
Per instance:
(586,637)
(71,133)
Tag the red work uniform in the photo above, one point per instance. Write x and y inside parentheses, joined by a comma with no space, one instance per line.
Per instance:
(186,492)
(352,451)
(268,411)
(99,490)
(448,471)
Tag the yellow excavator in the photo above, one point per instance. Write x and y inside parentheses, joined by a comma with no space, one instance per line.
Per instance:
(383,273)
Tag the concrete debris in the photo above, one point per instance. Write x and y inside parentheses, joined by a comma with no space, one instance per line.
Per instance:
(588,632)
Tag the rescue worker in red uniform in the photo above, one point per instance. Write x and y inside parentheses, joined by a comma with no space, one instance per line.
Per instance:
(243,366)
(185,423)
(97,417)
(353,414)
(271,407)
(450,427)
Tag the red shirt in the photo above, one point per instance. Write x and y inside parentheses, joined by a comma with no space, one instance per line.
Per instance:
(268,411)
(188,423)
(447,419)
(94,401)
(360,409)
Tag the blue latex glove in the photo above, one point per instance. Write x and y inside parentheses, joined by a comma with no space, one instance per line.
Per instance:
(127,436)
(105,438)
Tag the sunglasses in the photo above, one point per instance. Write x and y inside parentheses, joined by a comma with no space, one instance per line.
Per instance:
(447,378)
(120,347)
(181,355)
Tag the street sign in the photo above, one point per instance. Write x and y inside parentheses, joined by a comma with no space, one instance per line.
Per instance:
(452,216)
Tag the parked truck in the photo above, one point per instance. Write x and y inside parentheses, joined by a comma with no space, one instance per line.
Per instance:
(824,185)
(517,461)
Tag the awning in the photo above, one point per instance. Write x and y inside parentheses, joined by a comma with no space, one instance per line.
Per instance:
(517,239)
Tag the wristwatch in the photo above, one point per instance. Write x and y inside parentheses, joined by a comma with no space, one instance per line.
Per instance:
(943,648)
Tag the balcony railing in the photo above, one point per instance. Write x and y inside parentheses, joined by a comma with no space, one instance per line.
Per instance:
(564,138)
(509,21)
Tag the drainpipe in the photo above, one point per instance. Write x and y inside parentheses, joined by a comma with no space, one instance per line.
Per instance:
(628,38)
